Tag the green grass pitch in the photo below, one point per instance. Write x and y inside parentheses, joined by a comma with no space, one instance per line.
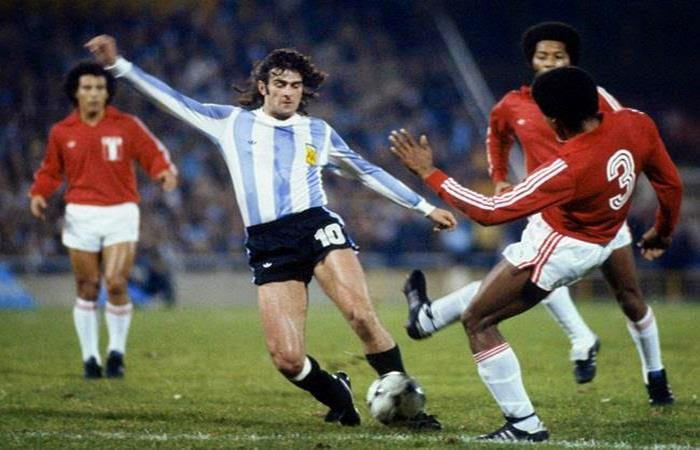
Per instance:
(201,378)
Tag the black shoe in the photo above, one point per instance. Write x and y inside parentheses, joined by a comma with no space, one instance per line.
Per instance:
(584,369)
(93,370)
(509,433)
(115,365)
(416,296)
(348,415)
(422,422)
(658,388)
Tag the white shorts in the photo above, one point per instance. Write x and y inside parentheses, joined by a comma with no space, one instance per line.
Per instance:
(556,260)
(90,228)
(623,238)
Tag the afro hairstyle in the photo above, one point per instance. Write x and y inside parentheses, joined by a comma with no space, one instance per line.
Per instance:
(552,31)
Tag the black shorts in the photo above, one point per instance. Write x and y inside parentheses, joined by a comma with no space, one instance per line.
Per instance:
(289,248)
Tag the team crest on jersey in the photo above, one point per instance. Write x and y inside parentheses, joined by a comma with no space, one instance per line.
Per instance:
(112,148)
(310,154)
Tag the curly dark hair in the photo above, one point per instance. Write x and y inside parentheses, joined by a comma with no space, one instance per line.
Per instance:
(70,86)
(552,31)
(282,59)
(567,94)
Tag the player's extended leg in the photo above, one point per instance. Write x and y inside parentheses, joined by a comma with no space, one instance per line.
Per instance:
(118,259)
(505,292)
(341,277)
(283,307)
(86,269)
(621,274)
(426,317)
(584,343)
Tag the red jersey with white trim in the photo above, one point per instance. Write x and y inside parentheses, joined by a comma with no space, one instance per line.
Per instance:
(584,193)
(97,161)
(518,116)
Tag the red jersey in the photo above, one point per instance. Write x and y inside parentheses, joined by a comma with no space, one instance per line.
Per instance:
(584,193)
(517,115)
(98,160)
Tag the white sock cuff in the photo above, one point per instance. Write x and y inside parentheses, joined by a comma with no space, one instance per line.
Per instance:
(644,323)
(558,294)
(85,305)
(304,371)
(492,354)
(119,310)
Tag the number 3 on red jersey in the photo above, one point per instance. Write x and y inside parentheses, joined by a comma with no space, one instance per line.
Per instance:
(112,148)
(621,166)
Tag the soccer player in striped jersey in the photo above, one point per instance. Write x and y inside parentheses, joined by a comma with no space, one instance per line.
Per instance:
(275,154)
(94,149)
(583,194)
(546,46)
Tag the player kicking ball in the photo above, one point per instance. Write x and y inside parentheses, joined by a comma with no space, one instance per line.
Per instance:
(276,153)
(583,198)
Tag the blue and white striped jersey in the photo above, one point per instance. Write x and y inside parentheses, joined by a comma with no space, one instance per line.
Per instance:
(275,164)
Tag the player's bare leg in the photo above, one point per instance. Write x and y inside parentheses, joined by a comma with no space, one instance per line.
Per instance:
(505,292)
(86,270)
(283,306)
(341,277)
(426,317)
(118,260)
(620,272)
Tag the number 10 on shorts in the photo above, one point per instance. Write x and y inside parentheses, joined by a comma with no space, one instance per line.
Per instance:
(330,235)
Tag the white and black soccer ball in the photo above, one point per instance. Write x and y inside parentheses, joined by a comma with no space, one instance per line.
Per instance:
(395,397)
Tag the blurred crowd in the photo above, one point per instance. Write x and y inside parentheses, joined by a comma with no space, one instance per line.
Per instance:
(383,74)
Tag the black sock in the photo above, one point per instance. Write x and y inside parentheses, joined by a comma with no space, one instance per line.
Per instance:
(385,362)
(323,386)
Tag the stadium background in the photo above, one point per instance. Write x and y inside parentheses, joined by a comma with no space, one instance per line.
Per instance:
(389,66)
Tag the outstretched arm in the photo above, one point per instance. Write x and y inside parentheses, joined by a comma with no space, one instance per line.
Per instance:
(349,163)
(547,186)
(208,118)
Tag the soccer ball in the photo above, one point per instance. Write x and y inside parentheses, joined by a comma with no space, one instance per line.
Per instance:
(395,397)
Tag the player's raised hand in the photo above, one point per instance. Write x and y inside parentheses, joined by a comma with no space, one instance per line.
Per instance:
(416,156)
(442,220)
(652,245)
(168,180)
(104,48)
(37,205)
